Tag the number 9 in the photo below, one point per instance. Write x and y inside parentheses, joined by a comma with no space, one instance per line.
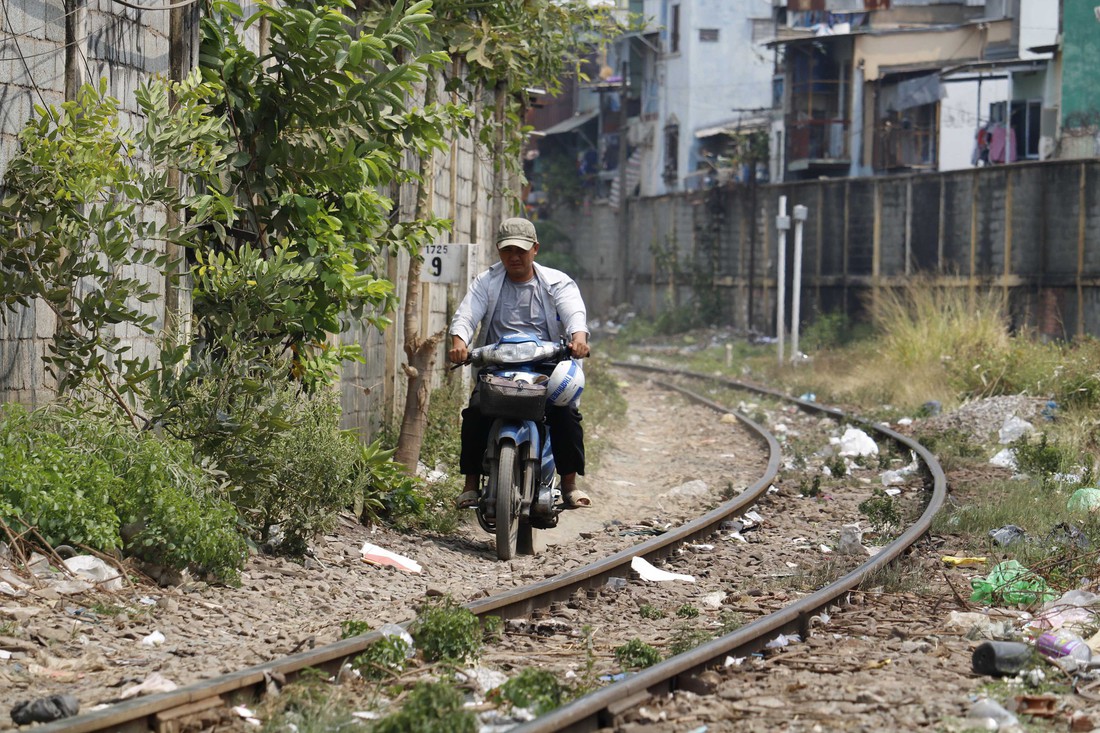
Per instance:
(437,266)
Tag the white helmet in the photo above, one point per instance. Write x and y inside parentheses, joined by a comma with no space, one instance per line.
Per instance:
(566,383)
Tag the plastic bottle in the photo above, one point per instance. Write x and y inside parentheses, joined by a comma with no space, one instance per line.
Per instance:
(991,710)
(1001,657)
(1063,645)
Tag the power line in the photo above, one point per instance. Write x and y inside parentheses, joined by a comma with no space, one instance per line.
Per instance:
(19,51)
(169,6)
(32,31)
(23,56)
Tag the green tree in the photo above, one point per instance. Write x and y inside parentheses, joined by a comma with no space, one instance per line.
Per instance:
(320,121)
(78,220)
(497,51)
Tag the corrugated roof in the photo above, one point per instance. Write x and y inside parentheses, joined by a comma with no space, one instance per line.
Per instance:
(570,124)
(748,123)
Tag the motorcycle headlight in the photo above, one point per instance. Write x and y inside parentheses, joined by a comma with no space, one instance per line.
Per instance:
(521,353)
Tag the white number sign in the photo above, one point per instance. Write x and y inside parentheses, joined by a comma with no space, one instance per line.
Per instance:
(443,263)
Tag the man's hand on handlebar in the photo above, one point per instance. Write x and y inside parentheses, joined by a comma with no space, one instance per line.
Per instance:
(458,353)
(578,346)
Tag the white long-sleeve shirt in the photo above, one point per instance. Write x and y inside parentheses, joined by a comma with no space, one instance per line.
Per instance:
(562,304)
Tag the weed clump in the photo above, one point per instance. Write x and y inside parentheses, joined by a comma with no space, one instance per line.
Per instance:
(636,654)
(383,659)
(1046,459)
(811,489)
(687,638)
(880,510)
(537,689)
(446,632)
(431,707)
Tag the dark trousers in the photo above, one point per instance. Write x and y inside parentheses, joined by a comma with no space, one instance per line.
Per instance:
(566,437)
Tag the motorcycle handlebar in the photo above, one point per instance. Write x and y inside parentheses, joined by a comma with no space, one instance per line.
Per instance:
(561,351)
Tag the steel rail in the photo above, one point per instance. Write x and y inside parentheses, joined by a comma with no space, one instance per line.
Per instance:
(600,708)
(156,712)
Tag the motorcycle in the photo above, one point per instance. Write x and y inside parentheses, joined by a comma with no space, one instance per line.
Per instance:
(520,490)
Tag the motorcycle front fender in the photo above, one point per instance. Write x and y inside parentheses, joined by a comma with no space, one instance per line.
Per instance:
(520,433)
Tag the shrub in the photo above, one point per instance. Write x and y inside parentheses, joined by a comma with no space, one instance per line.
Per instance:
(89,479)
(44,484)
(826,331)
(281,447)
(172,510)
(318,469)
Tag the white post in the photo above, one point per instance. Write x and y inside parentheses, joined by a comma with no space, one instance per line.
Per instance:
(796,286)
(782,223)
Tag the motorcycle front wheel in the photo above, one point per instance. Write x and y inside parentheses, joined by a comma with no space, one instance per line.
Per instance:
(507,480)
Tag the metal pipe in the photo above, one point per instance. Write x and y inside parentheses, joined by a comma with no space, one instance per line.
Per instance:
(782,223)
(800,213)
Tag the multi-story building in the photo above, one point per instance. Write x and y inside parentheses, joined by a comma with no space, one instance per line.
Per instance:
(911,85)
(683,88)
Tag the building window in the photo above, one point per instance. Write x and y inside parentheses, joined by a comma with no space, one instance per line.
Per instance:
(1022,117)
(1025,120)
(708,34)
(672,153)
(674,30)
(907,139)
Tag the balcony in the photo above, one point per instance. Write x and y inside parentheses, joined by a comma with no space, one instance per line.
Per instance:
(817,143)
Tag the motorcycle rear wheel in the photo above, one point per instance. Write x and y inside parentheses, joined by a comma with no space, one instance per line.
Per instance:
(507,481)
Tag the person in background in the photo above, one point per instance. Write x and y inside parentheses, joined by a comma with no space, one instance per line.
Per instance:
(514,296)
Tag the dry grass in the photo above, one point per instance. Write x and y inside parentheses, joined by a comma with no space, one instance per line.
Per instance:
(931,343)
(922,324)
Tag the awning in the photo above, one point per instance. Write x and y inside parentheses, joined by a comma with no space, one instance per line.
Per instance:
(748,123)
(570,124)
(911,93)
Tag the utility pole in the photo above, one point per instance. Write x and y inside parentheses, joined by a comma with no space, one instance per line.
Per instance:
(800,213)
(782,224)
(624,222)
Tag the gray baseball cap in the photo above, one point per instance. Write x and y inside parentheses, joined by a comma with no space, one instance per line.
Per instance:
(516,232)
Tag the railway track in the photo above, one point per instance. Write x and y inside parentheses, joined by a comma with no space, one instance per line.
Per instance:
(168,711)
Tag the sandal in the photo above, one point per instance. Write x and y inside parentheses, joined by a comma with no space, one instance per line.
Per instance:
(466,500)
(575,498)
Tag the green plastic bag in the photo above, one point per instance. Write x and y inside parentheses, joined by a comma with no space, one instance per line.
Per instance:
(1084,500)
(1010,582)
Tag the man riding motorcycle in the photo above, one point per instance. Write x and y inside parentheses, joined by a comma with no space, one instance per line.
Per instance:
(516,296)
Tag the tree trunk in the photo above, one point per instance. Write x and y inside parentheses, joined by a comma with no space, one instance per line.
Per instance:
(421,352)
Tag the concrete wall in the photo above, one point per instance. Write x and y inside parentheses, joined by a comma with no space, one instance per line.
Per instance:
(46,54)
(1030,229)
(875,52)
